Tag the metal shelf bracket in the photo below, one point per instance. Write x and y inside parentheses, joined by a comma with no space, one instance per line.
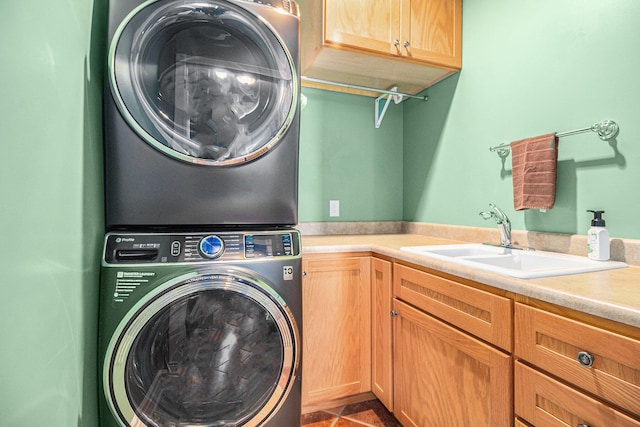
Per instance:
(397,99)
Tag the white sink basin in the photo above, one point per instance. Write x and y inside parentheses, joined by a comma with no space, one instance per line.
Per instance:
(513,262)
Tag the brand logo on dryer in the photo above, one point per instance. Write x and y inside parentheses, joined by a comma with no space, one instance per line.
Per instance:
(125,239)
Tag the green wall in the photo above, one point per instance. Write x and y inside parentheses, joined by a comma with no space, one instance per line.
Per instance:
(344,157)
(51,212)
(529,68)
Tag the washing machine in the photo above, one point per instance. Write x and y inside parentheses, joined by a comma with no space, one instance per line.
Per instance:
(201,329)
(201,123)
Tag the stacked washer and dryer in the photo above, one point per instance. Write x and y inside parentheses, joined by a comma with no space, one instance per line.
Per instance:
(200,307)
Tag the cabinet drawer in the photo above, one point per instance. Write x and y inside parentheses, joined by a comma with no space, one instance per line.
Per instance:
(545,402)
(552,342)
(480,313)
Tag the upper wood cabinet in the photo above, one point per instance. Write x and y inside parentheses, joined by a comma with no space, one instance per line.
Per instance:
(365,24)
(411,44)
(423,30)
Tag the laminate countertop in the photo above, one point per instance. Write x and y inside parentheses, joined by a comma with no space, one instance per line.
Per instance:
(610,294)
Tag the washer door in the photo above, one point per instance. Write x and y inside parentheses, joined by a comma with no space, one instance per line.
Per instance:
(210,350)
(206,82)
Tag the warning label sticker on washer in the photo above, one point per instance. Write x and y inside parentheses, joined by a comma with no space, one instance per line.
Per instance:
(128,281)
(287,272)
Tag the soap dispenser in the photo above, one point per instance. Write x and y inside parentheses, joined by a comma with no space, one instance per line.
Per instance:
(598,238)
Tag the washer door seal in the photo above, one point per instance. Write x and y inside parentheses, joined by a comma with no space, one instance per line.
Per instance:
(214,349)
(206,82)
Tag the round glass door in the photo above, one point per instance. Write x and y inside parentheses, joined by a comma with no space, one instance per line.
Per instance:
(206,82)
(215,350)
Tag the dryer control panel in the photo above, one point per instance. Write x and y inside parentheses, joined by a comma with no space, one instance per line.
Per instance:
(145,248)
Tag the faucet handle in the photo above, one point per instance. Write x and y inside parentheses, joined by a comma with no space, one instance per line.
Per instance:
(504,225)
(486,214)
(503,216)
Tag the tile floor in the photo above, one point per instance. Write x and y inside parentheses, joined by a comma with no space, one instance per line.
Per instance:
(365,414)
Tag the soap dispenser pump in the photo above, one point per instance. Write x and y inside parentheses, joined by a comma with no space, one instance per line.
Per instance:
(598,238)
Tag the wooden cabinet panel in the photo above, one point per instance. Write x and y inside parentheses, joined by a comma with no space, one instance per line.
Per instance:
(444,377)
(480,313)
(381,335)
(552,343)
(366,24)
(424,30)
(430,28)
(519,423)
(336,352)
(362,42)
(545,402)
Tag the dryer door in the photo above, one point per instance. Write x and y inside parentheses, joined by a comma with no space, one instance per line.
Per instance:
(214,349)
(206,82)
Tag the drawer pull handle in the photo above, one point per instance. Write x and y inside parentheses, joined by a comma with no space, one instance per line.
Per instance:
(585,359)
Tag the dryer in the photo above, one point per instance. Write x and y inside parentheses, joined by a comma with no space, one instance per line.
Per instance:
(202,113)
(201,329)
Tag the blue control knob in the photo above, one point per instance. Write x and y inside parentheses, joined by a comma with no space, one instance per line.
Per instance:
(211,247)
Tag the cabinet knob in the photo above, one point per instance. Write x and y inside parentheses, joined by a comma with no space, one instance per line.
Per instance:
(396,43)
(585,359)
(304,274)
(394,313)
(406,43)
(583,425)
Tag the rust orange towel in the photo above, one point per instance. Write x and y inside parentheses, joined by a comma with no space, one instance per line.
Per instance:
(534,163)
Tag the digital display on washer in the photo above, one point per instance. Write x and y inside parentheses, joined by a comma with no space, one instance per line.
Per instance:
(267,245)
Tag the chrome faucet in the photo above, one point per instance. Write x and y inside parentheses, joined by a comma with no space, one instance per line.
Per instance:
(504,225)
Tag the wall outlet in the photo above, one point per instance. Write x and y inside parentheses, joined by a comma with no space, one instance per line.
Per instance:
(334,207)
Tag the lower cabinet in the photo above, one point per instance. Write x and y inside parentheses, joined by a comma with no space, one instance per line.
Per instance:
(445,377)
(437,350)
(574,372)
(381,331)
(545,402)
(336,350)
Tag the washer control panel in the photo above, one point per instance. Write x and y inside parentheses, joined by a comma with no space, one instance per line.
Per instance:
(145,248)
(267,245)
(211,246)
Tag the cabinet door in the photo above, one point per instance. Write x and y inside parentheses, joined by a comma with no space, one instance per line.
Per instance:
(365,24)
(381,324)
(445,377)
(545,402)
(336,319)
(432,31)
